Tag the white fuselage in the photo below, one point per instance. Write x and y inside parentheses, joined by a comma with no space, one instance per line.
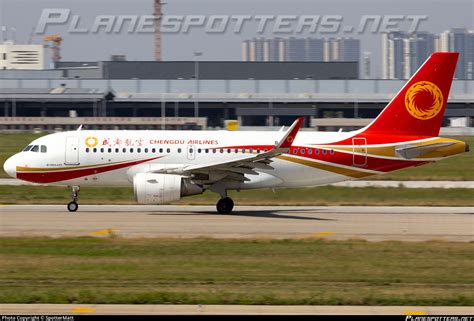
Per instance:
(82,149)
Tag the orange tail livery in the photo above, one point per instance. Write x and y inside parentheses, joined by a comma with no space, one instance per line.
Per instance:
(418,108)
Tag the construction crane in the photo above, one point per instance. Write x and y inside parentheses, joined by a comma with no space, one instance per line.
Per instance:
(55,47)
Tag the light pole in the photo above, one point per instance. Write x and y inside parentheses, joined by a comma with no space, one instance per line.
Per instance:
(196,76)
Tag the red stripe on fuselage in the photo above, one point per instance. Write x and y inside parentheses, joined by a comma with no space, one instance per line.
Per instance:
(338,158)
(45,177)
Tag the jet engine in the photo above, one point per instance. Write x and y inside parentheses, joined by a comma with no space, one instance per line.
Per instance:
(152,188)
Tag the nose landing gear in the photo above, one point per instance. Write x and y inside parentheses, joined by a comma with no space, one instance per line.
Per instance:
(73,206)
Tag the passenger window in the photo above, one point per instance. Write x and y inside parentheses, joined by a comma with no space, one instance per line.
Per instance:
(222,150)
(110,150)
(317,151)
(101,150)
(116,151)
(207,151)
(87,150)
(168,150)
(95,150)
(251,151)
(131,150)
(161,150)
(324,152)
(146,150)
(153,150)
(124,150)
(295,151)
(199,151)
(310,151)
(302,151)
(214,151)
(43,149)
(35,148)
(332,151)
(179,150)
(139,150)
(228,151)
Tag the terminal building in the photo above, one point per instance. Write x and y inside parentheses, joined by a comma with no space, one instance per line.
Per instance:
(202,95)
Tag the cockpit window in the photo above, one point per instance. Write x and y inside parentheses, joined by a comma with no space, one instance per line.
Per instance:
(27,148)
(35,148)
(43,149)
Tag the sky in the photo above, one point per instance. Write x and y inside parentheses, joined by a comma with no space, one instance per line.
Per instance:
(24,15)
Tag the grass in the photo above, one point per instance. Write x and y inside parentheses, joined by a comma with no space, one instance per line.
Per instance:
(327,195)
(202,271)
(458,168)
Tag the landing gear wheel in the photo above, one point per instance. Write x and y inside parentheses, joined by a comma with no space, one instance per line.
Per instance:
(72,206)
(225,205)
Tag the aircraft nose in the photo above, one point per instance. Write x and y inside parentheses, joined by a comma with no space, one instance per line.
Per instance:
(9,167)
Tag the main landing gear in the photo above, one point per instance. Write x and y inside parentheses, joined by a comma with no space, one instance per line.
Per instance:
(73,206)
(225,205)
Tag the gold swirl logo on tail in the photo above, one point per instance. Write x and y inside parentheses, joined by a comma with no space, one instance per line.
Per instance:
(424,100)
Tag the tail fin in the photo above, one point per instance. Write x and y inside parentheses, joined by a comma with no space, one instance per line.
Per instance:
(419,107)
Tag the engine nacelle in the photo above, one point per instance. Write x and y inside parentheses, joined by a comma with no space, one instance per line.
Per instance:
(152,188)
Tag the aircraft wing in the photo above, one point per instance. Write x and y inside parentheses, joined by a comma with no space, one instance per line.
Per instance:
(237,168)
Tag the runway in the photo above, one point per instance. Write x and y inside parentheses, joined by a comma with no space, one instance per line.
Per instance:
(332,222)
(151,309)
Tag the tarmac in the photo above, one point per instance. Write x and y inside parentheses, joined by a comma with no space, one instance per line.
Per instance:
(371,223)
(125,309)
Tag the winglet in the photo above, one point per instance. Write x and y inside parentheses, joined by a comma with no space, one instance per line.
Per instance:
(290,135)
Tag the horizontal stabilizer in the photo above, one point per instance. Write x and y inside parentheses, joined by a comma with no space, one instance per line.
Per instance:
(410,152)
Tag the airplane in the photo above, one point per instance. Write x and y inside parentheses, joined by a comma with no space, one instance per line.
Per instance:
(164,166)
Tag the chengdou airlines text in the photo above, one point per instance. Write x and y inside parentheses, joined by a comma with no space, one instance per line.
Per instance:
(163,166)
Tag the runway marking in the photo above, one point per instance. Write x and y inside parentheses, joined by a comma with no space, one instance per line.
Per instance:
(322,234)
(103,232)
(414,313)
(83,310)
